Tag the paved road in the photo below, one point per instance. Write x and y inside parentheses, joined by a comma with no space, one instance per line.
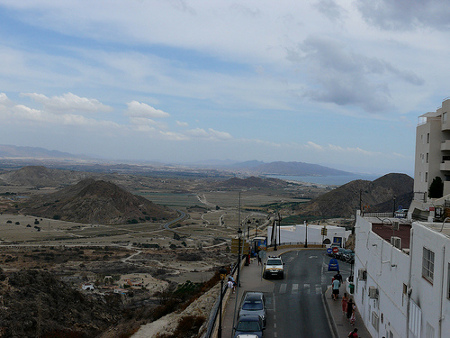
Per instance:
(297,307)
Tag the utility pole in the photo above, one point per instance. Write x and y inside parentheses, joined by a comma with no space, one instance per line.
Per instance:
(306,235)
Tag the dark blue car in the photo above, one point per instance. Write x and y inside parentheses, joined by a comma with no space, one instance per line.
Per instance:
(249,325)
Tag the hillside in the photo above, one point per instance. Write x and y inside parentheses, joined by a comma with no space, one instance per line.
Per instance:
(40,176)
(36,304)
(376,196)
(91,201)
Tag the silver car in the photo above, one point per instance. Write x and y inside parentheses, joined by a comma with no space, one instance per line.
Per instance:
(253,303)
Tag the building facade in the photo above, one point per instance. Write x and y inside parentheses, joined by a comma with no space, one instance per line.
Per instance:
(432,151)
(403,292)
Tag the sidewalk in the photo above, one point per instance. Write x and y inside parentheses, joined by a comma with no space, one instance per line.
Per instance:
(339,323)
(340,327)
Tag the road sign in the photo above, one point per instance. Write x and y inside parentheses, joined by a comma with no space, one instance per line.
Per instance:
(335,249)
(235,246)
(323,231)
(329,251)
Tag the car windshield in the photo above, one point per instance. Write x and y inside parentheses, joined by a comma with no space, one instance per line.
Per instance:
(245,326)
(274,262)
(252,306)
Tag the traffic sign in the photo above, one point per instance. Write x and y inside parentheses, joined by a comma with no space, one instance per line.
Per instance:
(335,249)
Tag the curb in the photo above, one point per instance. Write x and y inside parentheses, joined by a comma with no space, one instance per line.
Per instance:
(330,318)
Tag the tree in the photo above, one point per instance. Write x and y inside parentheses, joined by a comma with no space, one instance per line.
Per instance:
(436,189)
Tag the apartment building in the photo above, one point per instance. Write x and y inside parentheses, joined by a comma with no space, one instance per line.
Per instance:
(432,151)
(402,277)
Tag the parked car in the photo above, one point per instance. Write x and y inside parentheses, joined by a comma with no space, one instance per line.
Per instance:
(253,303)
(251,325)
(274,267)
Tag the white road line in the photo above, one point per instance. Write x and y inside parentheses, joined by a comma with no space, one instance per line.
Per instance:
(307,288)
(318,289)
(283,288)
(294,289)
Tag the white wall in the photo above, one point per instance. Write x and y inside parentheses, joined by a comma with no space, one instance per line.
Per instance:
(297,234)
(387,269)
(432,298)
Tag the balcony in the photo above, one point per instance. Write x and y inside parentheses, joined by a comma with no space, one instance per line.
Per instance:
(445,166)
(445,145)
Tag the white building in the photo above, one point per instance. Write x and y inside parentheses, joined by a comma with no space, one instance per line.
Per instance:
(403,289)
(297,234)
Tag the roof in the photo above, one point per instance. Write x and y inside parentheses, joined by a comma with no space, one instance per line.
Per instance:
(385,231)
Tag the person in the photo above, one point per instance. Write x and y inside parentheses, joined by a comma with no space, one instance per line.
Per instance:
(353,334)
(344,303)
(231,284)
(259,259)
(338,276)
(349,308)
(336,284)
(353,316)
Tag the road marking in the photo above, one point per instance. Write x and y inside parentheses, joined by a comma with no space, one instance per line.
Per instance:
(294,289)
(275,335)
(318,289)
(307,287)
(274,325)
(283,288)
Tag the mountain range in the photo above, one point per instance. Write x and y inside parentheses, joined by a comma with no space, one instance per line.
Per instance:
(41,156)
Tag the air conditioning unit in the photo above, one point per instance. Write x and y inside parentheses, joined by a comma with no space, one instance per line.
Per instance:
(396,241)
(362,274)
(373,292)
(396,225)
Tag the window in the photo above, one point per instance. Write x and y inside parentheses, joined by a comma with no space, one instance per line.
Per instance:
(375,320)
(428,264)
(429,331)
(426,177)
(427,157)
(444,117)
(428,137)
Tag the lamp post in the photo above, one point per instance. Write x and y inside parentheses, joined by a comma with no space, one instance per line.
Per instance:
(238,272)
(222,273)
(306,235)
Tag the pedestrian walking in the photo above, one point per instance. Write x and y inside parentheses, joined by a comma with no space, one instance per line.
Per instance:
(353,334)
(353,316)
(259,259)
(349,309)
(344,303)
(338,276)
(335,285)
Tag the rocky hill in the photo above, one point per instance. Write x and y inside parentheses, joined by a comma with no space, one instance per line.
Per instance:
(289,168)
(36,304)
(374,196)
(40,176)
(96,201)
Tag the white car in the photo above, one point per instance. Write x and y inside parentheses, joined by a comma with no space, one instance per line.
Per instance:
(274,267)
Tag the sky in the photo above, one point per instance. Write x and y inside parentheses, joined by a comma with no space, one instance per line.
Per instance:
(339,83)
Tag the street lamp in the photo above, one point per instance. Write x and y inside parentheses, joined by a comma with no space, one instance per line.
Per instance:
(222,273)
(306,235)
(238,272)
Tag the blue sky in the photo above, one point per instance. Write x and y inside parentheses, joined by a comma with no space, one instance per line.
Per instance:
(336,83)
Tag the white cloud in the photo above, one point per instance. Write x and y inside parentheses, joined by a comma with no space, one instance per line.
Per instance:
(211,134)
(68,102)
(138,109)
(314,146)
(182,124)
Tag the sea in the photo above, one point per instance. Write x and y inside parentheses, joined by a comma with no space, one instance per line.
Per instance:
(327,180)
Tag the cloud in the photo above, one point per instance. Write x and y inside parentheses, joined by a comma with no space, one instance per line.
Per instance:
(210,134)
(346,78)
(182,124)
(314,146)
(68,102)
(405,15)
(137,109)
(330,9)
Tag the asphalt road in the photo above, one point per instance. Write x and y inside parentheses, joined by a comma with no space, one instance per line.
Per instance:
(295,308)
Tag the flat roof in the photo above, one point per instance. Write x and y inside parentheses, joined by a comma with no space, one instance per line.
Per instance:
(384,229)
(440,227)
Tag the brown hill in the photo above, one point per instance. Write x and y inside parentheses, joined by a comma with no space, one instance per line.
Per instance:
(376,196)
(92,201)
(40,176)
(36,304)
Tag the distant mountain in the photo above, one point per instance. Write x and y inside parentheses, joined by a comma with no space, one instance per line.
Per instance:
(10,151)
(374,196)
(252,183)
(289,169)
(91,201)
